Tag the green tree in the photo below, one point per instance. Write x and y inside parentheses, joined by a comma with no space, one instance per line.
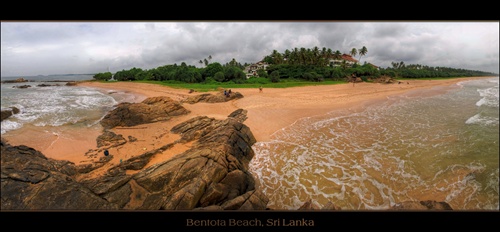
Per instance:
(362,52)
(277,58)
(262,73)
(353,52)
(286,56)
(233,73)
(337,55)
(275,77)
(268,59)
(103,76)
(212,69)
(344,64)
(219,76)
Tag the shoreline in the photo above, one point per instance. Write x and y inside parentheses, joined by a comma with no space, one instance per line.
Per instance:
(268,112)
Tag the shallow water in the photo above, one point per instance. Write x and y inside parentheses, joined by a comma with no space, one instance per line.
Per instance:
(56,105)
(438,144)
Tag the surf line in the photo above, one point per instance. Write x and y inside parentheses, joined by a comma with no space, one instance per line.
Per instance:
(56,134)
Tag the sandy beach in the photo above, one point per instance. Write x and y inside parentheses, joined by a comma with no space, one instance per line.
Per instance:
(268,111)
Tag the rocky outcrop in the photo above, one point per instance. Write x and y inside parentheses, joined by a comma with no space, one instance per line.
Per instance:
(18,80)
(150,110)
(110,139)
(212,98)
(212,175)
(30,181)
(6,113)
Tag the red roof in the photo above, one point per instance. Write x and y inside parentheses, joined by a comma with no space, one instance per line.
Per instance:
(349,58)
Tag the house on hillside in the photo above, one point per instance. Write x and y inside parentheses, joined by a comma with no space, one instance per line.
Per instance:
(348,59)
(251,70)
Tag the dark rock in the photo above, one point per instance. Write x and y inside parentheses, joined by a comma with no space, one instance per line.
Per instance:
(132,138)
(108,183)
(150,110)
(30,181)
(8,112)
(110,139)
(86,168)
(46,85)
(212,98)
(21,86)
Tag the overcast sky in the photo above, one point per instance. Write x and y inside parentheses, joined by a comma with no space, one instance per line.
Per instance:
(78,47)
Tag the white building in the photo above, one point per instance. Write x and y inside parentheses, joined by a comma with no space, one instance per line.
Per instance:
(251,70)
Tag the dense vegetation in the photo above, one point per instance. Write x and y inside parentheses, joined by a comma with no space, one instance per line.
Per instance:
(299,64)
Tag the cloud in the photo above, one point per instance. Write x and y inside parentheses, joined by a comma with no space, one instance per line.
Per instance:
(33,48)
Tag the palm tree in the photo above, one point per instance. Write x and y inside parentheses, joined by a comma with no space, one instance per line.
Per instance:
(295,56)
(233,62)
(286,56)
(323,52)
(354,52)
(277,58)
(329,55)
(302,55)
(315,55)
(309,56)
(337,54)
(362,52)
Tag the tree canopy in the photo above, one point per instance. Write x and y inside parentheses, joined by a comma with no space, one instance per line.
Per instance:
(308,64)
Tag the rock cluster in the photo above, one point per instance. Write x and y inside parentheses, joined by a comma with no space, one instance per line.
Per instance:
(212,175)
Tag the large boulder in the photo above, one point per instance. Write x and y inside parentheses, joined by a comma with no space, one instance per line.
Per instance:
(153,109)
(212,98)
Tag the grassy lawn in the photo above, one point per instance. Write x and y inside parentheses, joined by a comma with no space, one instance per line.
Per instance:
(205,87)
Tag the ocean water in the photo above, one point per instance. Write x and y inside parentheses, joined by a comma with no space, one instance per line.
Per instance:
(56,106)
(439,144)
